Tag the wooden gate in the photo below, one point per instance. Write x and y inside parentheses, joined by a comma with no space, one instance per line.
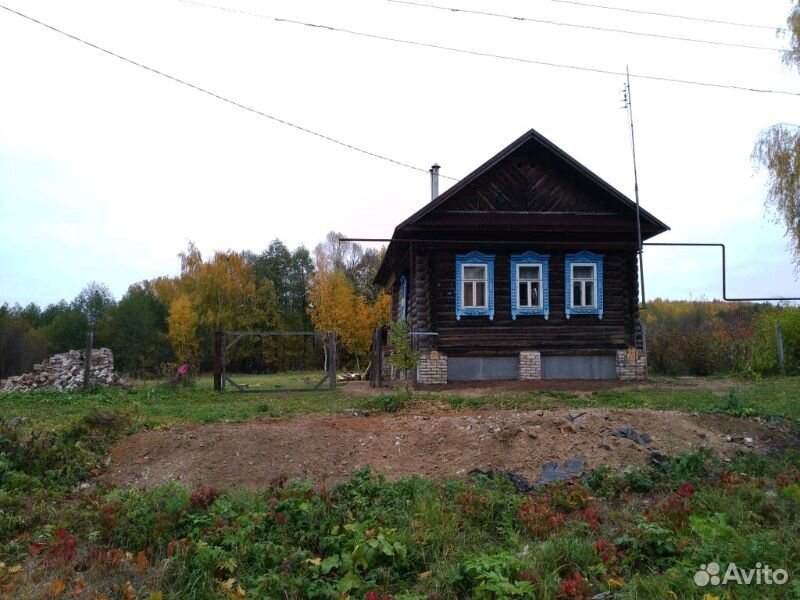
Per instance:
(225,340)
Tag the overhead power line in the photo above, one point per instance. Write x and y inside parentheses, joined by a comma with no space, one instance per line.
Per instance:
(221,97)
(663,36)
(669,15)
(543,63)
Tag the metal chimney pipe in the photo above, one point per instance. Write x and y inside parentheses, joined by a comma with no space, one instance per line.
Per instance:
(434,181)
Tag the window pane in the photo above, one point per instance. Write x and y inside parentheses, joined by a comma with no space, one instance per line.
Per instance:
(522,291)
(474,272)
(583,272)
(469,297)
(529,272)
(535,294)
(577,297)
(589,293)
(480,289)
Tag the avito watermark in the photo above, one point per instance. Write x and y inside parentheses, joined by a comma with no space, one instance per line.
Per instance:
(762,575)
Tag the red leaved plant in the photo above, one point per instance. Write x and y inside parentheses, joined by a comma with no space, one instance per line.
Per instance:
(574,588)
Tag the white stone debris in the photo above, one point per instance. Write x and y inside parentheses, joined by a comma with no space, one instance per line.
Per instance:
(64,372)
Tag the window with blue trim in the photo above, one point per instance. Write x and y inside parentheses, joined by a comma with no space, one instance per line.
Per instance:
(584,284)
(402,299)
(529,285)
(475,285)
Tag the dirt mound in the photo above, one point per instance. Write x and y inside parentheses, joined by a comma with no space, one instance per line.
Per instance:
(328,448)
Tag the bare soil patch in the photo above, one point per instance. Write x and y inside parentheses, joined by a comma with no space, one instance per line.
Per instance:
(327,448)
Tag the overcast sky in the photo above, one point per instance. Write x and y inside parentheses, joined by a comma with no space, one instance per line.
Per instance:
(107,170)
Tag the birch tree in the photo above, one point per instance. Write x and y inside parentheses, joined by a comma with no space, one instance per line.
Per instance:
(777,151)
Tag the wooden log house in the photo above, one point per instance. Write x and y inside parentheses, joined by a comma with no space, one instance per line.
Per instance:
(526,268)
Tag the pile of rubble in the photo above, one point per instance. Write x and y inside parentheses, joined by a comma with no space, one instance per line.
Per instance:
(64,372)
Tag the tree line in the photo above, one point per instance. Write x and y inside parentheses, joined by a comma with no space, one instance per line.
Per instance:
(165,321)
(714,337)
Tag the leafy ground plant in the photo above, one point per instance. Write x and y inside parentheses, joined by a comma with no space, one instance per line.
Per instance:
(632,533)
(369,538)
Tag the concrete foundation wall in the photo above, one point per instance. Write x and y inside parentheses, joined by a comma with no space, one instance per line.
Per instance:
(630,364)
(579,367)
(482,368)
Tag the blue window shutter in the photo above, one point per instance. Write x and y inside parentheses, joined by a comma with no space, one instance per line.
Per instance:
(475,258)
(531,258)
(584,257)
(402,300)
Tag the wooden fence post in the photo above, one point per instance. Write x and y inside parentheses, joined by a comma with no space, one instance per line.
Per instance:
(779,348)
(332,360)
(372,355)
(376,371)
(218,361)
(378,361)
(224,375)
(87,360)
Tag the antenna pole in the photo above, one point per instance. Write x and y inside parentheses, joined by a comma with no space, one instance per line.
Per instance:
(629,107)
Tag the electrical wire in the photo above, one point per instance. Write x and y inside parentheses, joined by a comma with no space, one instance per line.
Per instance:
(662,36)
(542,63)
(669,15)
(221,97)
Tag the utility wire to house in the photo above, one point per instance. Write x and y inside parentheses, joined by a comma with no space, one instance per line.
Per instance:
(615,73)
(220,97)
(663,36)
(337,141)
(670,15)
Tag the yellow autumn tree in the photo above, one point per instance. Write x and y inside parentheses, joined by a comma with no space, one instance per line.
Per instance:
(222,290)
(383,309)
(165,289)
(223,293)
(366,317)
(331,302)
(335,306)
(182,323)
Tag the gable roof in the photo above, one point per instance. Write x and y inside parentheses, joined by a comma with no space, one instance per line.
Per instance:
(566,164)
(531,136)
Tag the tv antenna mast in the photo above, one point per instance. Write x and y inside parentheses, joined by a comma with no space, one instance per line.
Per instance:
(628,106)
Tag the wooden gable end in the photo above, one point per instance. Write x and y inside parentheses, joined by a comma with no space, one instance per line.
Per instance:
(531,185)
(530,182)
(531,191)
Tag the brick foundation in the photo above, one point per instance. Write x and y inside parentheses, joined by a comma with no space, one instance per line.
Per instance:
(530,365)
(432,369)
(631,364)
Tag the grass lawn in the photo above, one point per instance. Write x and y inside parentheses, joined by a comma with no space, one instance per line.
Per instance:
(151,404)
(271,383)
(157,405)
(772,398)
(635,534)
